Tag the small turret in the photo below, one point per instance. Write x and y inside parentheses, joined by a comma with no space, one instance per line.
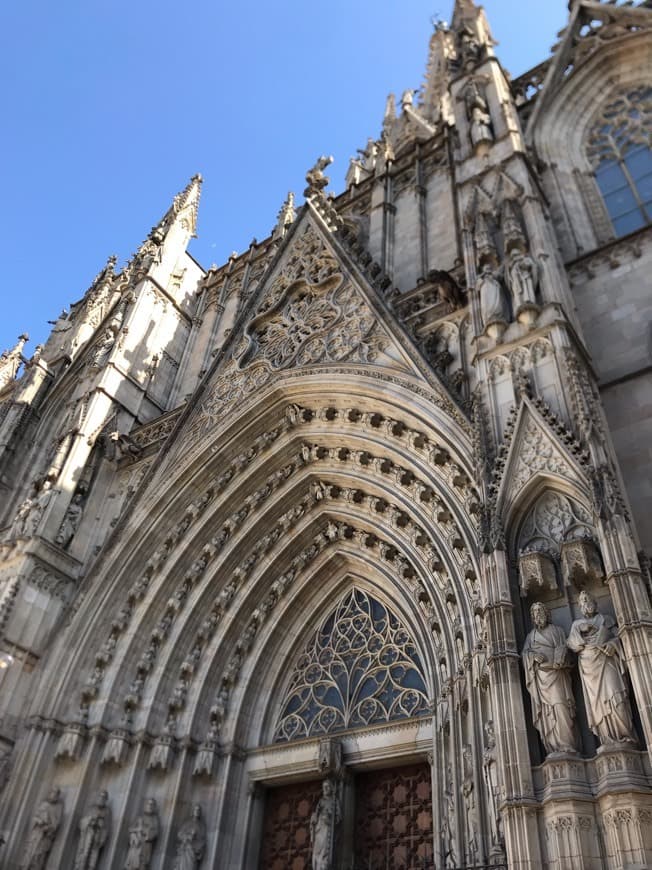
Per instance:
(10,361)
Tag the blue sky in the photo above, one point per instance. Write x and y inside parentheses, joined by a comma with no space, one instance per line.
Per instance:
(110,106)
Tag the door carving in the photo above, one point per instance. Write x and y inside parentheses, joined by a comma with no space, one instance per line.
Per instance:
(286,830)
(393,819)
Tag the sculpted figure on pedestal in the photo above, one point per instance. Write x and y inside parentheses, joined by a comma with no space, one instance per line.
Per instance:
(548,679)
(94,832)
(191,841)
(142,837)
(449,828)
(523,278)
(493,304)
(23,512)
(45,825)
(323,823)
(32,521)
(602,669)
(71,521)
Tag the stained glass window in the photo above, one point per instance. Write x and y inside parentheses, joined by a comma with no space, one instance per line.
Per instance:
(361,667)
(620,153)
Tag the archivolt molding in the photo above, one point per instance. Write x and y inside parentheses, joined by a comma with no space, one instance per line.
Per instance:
(404,437)
(417,538)
(335,532)
(371,506)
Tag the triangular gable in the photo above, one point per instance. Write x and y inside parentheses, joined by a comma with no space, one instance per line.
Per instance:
(591,25)
(534,449)
(314,307)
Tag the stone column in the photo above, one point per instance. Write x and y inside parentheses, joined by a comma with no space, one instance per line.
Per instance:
(633,612)
(517,802)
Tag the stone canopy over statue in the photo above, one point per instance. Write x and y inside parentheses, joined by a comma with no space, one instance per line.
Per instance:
(602,669)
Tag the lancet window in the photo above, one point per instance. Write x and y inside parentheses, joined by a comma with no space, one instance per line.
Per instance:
(360,667)
(619,150)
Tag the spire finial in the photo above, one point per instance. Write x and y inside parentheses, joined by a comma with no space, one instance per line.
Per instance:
(286,217)
(10,360)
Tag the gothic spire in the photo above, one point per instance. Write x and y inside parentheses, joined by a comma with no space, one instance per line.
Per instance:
(472,33)
(10,360)
(184,207)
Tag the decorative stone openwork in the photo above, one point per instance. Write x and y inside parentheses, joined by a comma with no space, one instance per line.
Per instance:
(360,667)
(536,572)
(580,561)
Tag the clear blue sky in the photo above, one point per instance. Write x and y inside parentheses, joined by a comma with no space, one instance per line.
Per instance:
(111,105)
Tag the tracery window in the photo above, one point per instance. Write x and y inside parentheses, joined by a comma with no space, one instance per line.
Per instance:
(360,667)
(619,150)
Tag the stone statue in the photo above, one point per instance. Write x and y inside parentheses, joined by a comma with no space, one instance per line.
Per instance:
(523,279)
(93,833)
(407,99)
(468,792)
(105,346)
(493,305)
(489,765)
(191,841)
(450,824)
(477,111)
(315,178)
(602,670)
(23,512)
(142,837)
(71,521)
(45,825)
(548,680)
(480,126)
(323,823)
(39,504)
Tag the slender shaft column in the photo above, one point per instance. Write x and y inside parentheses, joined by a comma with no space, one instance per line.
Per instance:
(517,802)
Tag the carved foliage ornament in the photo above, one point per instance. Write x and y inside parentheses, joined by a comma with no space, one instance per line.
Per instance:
(311,314)
(361,667)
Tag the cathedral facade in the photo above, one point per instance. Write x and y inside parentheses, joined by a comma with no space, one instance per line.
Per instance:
(336,555)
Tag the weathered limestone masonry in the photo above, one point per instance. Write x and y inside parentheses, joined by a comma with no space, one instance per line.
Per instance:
(337,555)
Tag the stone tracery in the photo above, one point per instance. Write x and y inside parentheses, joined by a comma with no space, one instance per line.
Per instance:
(360,667)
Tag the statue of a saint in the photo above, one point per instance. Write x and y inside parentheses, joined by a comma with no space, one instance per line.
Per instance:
(191,842)
(93,833)
(42,500)
(45,825)
(323,823)
(523,279)
(71,521)
(490,767)
(548,680)
(22,514)
(449,828)
(142,837)
(492,299)
(480,126)
(602,669)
